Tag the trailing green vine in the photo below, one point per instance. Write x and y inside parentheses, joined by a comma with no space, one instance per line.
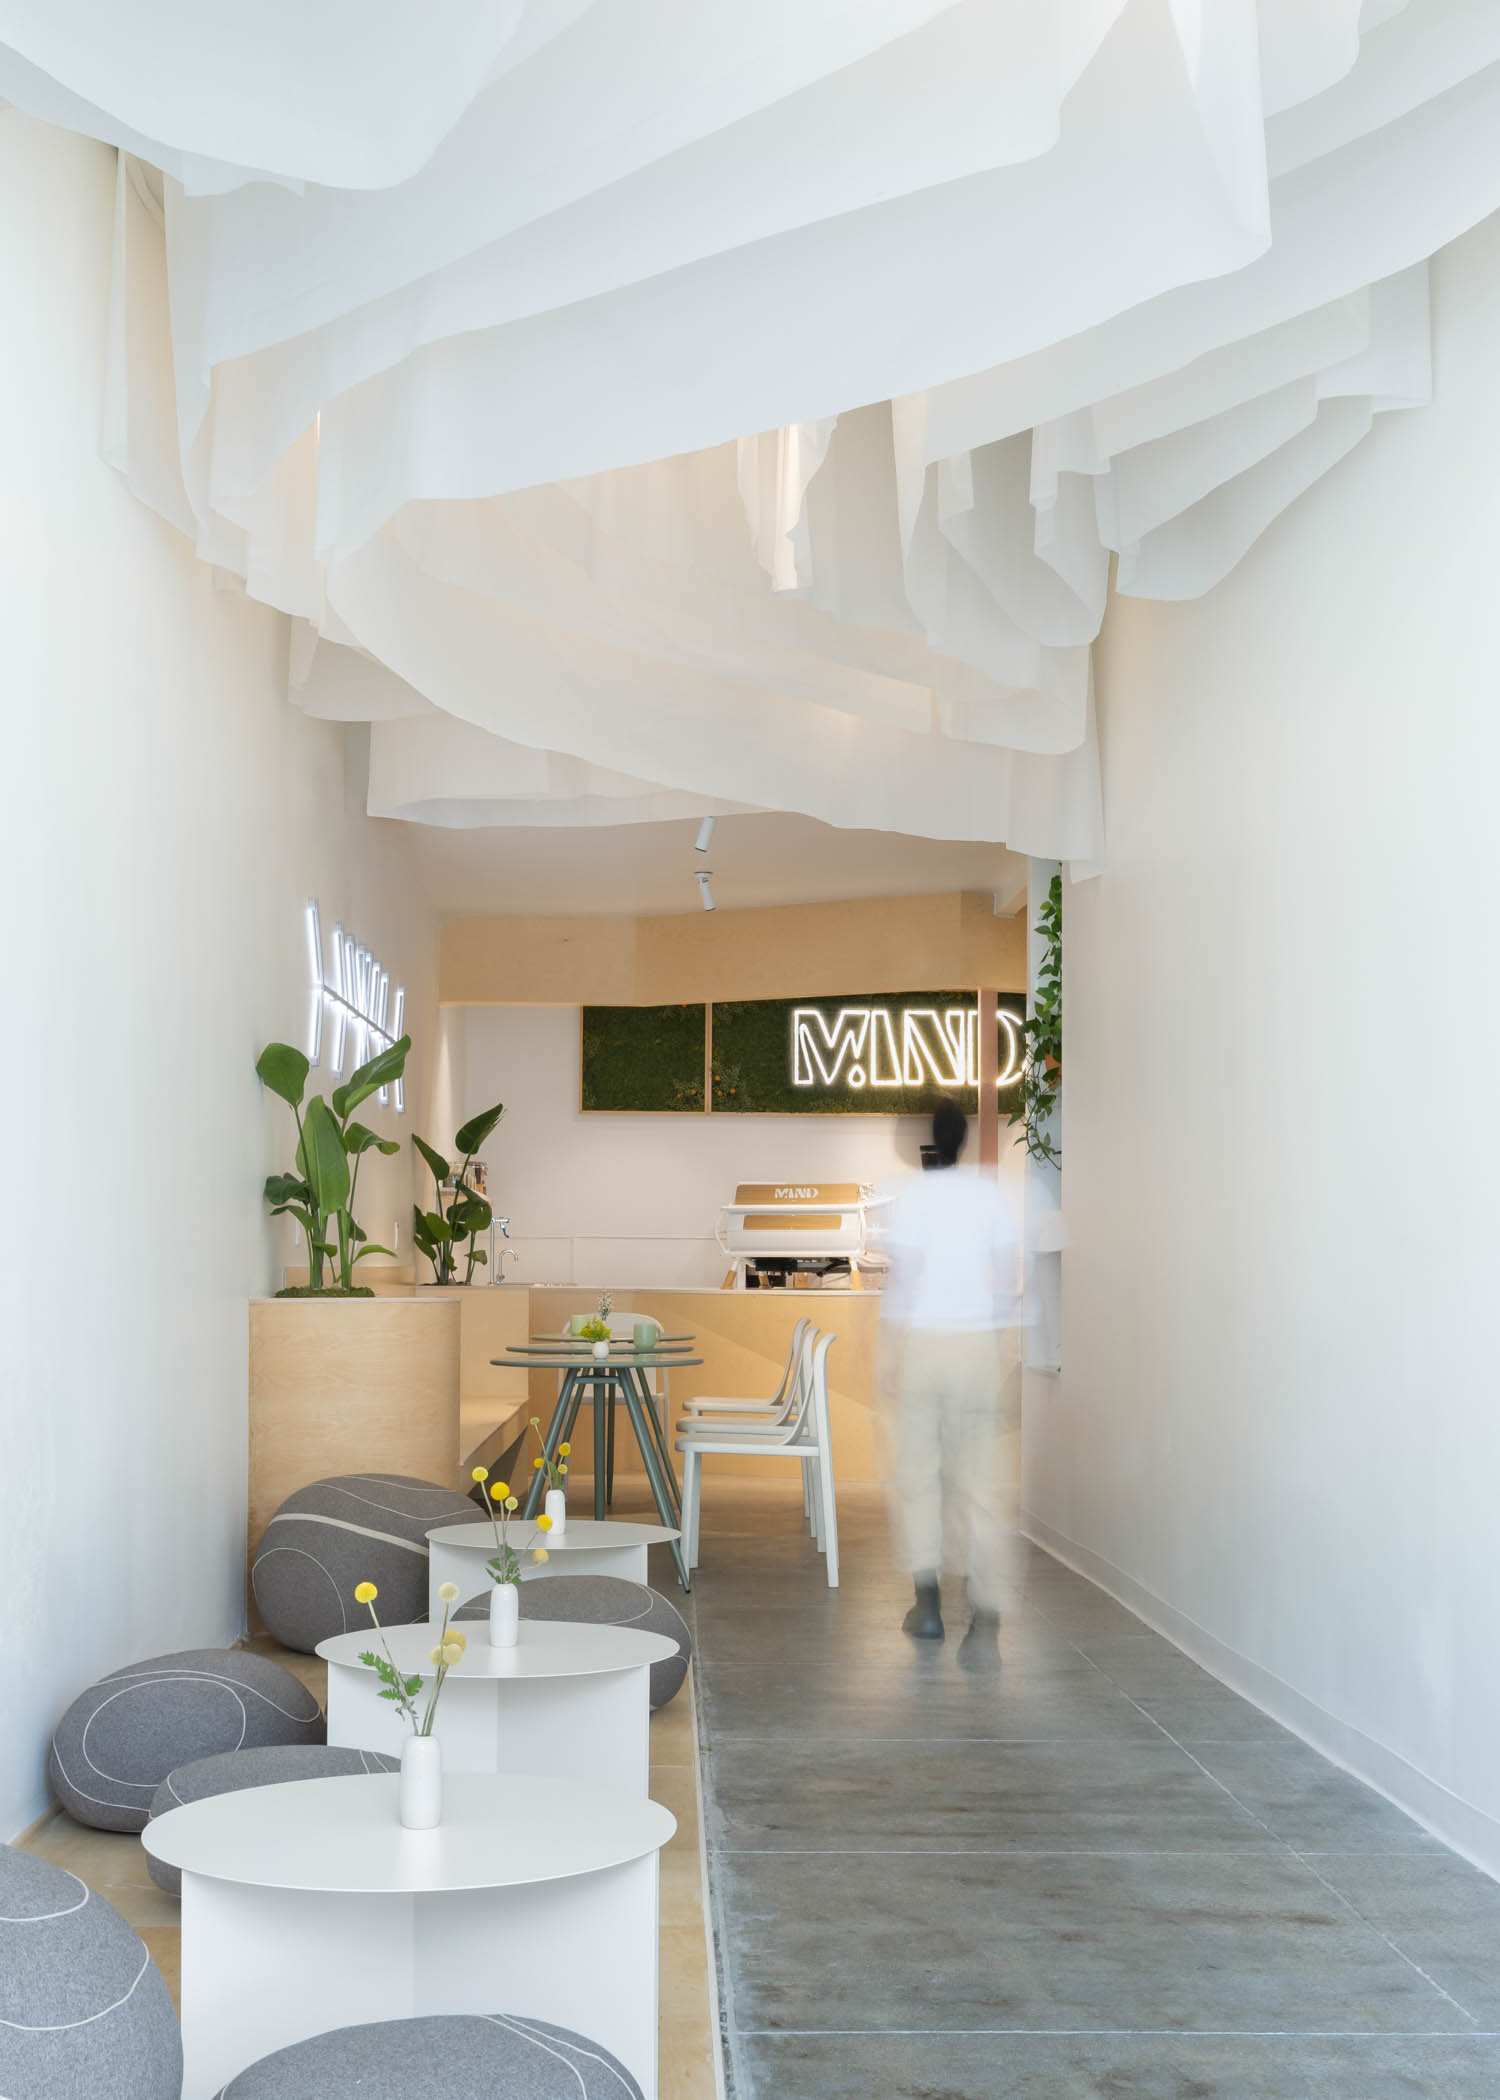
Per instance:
(1041,1078)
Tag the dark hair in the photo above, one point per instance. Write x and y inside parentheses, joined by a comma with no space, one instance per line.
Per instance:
(950,1126)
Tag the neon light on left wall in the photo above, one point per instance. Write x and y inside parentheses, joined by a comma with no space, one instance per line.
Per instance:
(354,992)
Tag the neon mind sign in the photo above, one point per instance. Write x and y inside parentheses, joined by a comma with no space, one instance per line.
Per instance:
(905,1046)
(354,993)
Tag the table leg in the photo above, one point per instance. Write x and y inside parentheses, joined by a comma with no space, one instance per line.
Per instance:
(663,1449)
(601,1409)
(555,1435)
(670,1517)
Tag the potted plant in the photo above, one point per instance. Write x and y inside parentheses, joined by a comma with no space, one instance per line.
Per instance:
(455,1226)
(419,1792)
(1041,1074)
(320,1192)
(504,1566)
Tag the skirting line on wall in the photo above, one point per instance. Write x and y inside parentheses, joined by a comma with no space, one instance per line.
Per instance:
(1467,1829)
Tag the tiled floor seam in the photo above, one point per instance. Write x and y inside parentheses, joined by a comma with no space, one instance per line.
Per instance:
(1302,1859)
(1371,2035)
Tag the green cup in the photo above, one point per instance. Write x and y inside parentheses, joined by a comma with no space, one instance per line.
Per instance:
(645,1333)
(578,1322)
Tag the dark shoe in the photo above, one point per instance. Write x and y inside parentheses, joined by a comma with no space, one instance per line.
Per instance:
(924,1622)
(980,1647)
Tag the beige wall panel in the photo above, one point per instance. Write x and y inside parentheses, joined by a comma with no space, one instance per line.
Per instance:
(992,950)
(350,1385)
(503,961)
(868,944)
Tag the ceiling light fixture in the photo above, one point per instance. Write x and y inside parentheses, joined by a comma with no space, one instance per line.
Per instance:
(705,836)
(703,889)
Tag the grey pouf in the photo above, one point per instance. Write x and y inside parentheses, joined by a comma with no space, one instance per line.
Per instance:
(118,1741)
(83,2008)
(459,2056)
(609,1600)
(326,1538)
(238,1769)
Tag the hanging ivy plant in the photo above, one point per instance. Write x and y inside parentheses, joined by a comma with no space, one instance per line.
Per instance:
(1041,1079)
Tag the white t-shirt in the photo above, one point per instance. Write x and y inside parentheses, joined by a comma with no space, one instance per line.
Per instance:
(955,1253)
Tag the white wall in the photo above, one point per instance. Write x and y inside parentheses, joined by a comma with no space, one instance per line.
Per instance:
(164,815)
(641,1192)
(1277,1429)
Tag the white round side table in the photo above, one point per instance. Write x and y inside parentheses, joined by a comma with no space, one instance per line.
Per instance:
(570,1701)
(306,1907)
(458,1552)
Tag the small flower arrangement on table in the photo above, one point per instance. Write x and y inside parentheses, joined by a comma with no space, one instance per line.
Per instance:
(404,1692)
(505,1565)
(555,1468)
(595,1331)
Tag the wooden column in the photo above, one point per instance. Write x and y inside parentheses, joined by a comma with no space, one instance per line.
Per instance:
(989,1073)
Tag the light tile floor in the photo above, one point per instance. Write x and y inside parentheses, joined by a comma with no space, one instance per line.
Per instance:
(1095,1873)
(115,1866)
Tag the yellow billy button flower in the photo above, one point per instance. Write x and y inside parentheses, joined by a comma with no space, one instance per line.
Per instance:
(480,1473)
(511,1502)
(365,1593)
(539,1554)
(563,1450)
(544,1522)
(500,1490)
(448,1591)
(453,1638)
(536,1465)
(452,1651)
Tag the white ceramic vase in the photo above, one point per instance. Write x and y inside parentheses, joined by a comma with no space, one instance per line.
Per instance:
(557,1510)
(420,1786)
(505,1614)
(601,1352)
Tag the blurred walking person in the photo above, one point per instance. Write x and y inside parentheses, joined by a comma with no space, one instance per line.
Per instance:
(953,1297)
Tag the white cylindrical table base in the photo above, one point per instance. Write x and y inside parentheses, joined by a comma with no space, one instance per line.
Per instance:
(307,1907)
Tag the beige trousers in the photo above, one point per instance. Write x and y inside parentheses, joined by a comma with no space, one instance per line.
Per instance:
(955,1460)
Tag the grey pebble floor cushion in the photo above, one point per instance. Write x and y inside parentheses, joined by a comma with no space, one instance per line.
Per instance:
(447,2056)
(83,2008)
(609,1600)
(118,1741)
(238,1769)
(357,1527)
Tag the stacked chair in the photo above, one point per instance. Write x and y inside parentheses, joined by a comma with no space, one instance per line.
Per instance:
(790,1423)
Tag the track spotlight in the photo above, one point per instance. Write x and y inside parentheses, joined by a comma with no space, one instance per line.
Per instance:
(704,839)
(703,889)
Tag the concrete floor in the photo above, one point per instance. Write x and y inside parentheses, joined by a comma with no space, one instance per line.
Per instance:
(1097,1872)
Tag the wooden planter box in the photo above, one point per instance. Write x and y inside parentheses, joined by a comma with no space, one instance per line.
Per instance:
(358,1385)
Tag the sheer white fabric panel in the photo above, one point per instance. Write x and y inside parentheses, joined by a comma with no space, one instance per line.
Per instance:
(657,406)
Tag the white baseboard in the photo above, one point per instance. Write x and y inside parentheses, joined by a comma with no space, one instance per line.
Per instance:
(1458,1823)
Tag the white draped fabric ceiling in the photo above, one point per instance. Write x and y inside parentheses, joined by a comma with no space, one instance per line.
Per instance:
(647,407)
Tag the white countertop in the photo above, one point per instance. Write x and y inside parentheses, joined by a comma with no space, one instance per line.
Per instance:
(499,1830)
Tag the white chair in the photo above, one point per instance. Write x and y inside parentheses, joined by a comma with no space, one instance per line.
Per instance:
(805,1437)
(778,1406)
(717,1411)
